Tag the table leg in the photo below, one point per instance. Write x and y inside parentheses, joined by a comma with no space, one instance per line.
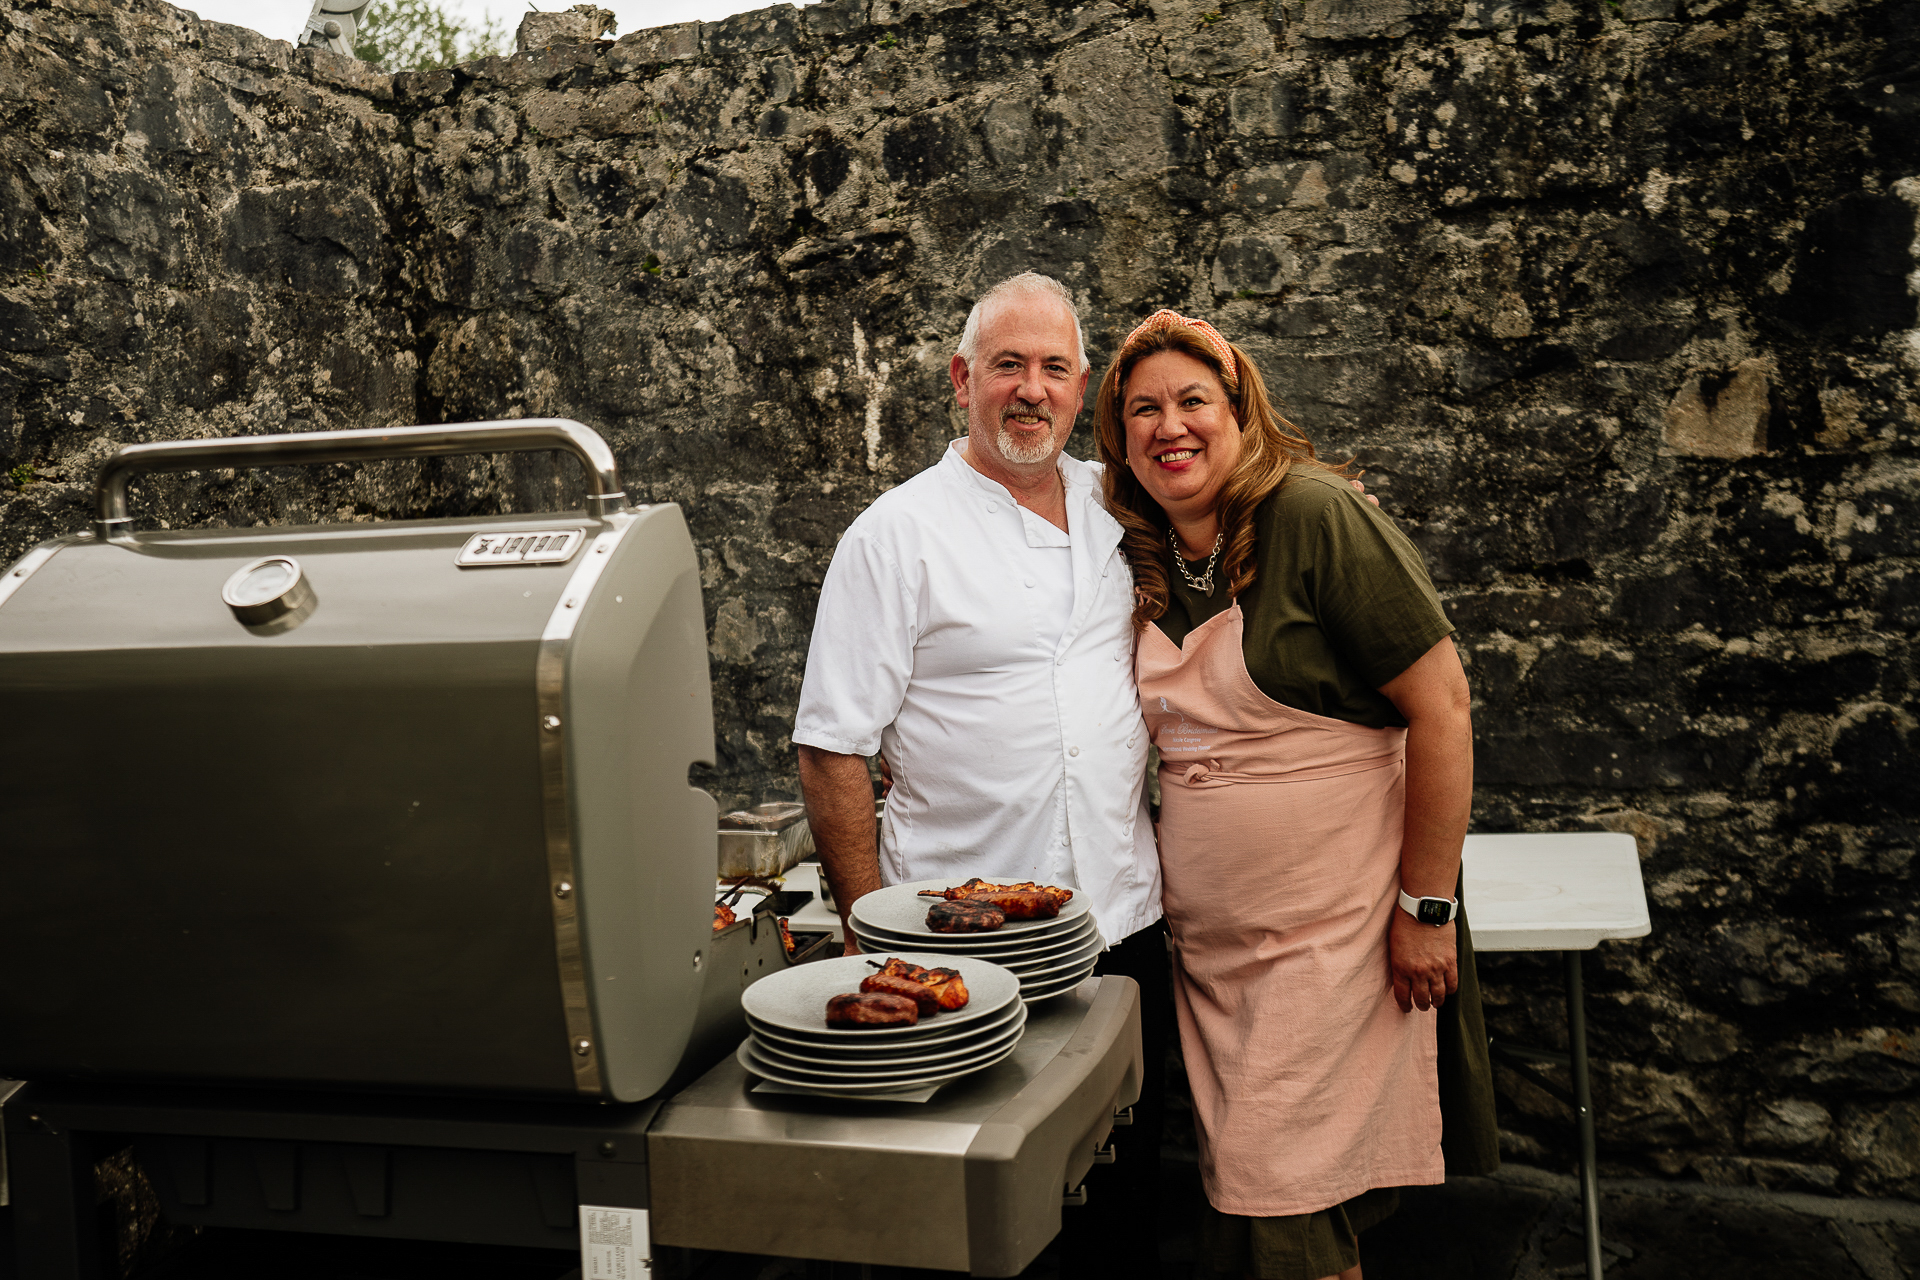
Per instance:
(1583,1108)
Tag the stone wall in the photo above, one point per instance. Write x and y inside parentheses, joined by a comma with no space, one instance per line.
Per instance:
(1614,300)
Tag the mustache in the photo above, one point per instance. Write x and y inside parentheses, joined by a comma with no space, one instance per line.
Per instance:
(1026,410)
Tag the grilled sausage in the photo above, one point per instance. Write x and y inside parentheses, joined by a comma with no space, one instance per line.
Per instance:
(920,993)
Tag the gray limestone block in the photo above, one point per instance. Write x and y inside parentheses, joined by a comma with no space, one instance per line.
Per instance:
(1008,127)
(580,24)
(1254,265)
(1262,107)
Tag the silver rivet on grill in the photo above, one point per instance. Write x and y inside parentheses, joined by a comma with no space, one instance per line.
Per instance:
(696,960)
(562,889)
(583,1047)
(551,722)
(570,603)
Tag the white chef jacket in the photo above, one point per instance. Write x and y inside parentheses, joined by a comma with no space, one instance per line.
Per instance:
(1017,747)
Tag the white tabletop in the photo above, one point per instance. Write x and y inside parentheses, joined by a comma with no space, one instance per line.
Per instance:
(1553,891)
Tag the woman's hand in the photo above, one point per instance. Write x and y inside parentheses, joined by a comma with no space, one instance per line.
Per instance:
(1424,962)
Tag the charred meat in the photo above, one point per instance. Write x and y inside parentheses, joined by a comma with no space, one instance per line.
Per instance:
(1023,901)
(920,993)
(964,917)
(872,1009)
(722,916)
(946,984)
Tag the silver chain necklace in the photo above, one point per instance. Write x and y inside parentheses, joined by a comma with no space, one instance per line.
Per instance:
(1204,583)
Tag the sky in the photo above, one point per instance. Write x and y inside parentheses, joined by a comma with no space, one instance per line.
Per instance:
(283,19)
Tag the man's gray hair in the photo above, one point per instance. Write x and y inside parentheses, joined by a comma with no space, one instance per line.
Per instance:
(1028,284)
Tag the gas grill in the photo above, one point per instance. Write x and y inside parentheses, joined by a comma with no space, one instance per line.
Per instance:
(354,875)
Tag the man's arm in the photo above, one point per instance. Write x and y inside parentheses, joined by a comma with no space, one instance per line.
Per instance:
(839,801)
(1433,698)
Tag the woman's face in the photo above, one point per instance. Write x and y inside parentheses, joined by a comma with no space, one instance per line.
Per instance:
(1183,437)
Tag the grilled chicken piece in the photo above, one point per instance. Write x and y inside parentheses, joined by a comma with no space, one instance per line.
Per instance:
(964,917)
(722,916)
(786,937)
(872,1009)
(920,993)
(947,984)
(1023,901)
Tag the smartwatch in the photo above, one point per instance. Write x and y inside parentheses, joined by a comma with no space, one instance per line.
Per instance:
(1433,911)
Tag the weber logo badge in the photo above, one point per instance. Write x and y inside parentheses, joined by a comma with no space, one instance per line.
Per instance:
(542,546)
(614,1244)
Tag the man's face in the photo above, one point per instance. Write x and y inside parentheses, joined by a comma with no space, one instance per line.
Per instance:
(1025,385)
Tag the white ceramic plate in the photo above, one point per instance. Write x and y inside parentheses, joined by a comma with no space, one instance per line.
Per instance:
(1055,966)
(1055,987)
(758,1068)
(899,909)
(832,1044)
(890,1078)
(796,998)
(945,1056)
(988,946)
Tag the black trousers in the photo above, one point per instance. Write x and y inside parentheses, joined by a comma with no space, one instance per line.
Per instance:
(1117,1232)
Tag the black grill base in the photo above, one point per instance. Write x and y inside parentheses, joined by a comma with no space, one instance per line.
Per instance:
(509,1174)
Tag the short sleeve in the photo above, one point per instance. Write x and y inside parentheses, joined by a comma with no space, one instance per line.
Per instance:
(1371,590)
(861,654)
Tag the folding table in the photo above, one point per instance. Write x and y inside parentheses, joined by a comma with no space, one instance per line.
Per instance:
(1564,891)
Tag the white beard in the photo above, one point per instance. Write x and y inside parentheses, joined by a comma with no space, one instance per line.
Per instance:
(1024,453)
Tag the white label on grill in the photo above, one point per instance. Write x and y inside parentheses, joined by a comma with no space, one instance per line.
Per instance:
(537,546)
(614,1244)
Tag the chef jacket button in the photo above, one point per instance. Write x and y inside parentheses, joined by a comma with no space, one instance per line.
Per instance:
(1073,751)
(993,506)
(1029,581)
(1119,655)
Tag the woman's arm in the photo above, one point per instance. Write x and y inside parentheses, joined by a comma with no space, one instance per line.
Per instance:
(1432,698)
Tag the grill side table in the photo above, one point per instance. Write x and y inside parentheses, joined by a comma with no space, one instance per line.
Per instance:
(1567,892)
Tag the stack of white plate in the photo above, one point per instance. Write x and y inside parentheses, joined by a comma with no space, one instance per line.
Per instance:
(1049,957)
(792,1044)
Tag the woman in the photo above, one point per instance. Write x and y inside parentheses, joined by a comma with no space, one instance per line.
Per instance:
(1297,675)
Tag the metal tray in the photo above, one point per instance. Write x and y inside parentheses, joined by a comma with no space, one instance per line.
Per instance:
(764,840)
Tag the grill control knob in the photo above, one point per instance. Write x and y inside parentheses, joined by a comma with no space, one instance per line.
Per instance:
(270,593)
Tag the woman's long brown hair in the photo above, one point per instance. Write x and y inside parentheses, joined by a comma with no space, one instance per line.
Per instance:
(1270,446)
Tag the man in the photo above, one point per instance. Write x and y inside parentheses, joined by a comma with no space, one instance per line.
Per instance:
(975,629)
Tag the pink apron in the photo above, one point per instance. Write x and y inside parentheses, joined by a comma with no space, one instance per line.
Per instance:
(1280,858)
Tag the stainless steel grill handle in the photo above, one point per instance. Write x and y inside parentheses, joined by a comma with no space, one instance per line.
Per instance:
(604,494)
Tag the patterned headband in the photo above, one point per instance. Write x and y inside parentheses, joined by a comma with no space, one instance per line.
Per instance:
(1166,319)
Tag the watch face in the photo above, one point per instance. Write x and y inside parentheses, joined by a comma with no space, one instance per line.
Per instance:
(1435,911)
